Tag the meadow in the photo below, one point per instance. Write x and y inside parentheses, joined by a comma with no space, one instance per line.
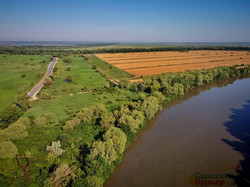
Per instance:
(150,63)
(18,73)
(65,97)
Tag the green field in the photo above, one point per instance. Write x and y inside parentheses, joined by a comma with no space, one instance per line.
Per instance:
(69,97)
(12,67)
(109,70)
(84,76)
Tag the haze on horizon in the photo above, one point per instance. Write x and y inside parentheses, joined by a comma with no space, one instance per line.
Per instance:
(125,21)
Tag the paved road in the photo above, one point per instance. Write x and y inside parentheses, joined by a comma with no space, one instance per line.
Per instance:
(38,87)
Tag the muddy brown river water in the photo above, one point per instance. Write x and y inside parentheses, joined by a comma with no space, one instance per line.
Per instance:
(197,139)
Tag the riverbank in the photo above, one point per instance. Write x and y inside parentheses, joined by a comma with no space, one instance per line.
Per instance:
(185,138)
(92,140)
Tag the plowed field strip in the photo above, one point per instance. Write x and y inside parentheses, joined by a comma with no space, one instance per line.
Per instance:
(169,59)
(160,57)
(146,54)
(162,63)
(219,62)
(181,68)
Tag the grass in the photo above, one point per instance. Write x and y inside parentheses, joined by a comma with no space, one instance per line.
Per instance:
(108,69)
(83,76)
(65,106)
(68,98)
(12,68)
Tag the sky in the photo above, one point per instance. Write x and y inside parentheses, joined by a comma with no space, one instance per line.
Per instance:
(125,20)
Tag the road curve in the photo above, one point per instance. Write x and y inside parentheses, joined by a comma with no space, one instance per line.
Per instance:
(37,88)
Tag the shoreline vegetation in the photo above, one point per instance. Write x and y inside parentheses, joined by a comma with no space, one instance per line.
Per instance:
(84,148)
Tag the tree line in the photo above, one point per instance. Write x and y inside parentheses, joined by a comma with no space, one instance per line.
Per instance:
(118,127)
(64,52)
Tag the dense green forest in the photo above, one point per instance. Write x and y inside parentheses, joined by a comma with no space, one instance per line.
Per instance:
(42,50)
(84,148)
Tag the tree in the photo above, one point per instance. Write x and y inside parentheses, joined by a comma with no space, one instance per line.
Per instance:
(23,101)
(65,140)
(99,109)
(70,124)
(155,85)
(107,120)
(109,149)
(150,106)
(13,132)
(61,176)
(132,118)
(118,138)
(198,79)
(55,148)
(178,89)
(159,96)
(86,114)
(9,115)
(8,149)
(93,181)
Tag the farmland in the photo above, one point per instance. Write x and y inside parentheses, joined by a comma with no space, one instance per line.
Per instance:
(150,63)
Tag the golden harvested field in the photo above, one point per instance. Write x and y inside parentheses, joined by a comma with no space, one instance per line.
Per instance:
(149,63)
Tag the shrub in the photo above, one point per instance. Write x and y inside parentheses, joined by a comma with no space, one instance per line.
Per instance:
(69,78)
(48,82)
(124,83)
(23,75)
(45,95)
(67,60)
(25,121)
(39,75)
(40,121)
(68,69)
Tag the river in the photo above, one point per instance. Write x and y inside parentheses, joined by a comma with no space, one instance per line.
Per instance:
(197,138)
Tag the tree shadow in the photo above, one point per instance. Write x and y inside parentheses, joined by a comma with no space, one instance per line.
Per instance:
(239,127)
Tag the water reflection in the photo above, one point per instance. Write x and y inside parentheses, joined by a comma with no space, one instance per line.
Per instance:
(188,95)
(239,127)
